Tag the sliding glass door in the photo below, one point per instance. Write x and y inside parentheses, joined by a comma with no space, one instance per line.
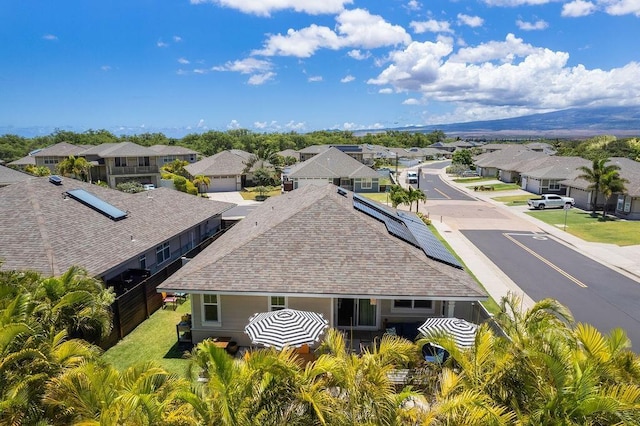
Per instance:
(359,313)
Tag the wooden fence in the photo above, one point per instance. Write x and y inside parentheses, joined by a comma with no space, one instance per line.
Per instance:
(136,305)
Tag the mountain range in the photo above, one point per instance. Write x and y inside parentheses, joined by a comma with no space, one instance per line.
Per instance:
(575,123)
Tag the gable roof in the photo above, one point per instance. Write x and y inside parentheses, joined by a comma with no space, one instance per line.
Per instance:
(629,170)
(121,149)
(313,242)
(553,167)
(332,163)
(224,163)
(43,231)
(8,176)
(172,150)
(510,157)
(61,149)
(29,160)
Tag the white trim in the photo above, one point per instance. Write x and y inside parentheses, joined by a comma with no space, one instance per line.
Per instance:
(271,306)
(218,303)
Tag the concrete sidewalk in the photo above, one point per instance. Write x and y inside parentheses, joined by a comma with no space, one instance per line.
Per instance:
(450,217)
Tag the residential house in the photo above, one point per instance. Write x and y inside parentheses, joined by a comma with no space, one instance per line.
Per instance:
(545,176)
(290,153)
(225,170)
(170,153)
(333,166)
(359,263)
(625,205)
(49,225)
(113,163)
(9,176)
(506,163)
(354,151)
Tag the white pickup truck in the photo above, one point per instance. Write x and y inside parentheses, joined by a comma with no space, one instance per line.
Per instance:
(550,201)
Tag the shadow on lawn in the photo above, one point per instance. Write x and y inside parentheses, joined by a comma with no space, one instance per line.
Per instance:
(178,351)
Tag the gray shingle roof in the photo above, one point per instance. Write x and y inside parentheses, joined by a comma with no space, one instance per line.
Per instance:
(332,163)
(29,160)
(313,242)
(172,150)
(553,167)
(62,149)
(225,163)
(510,157)
(629,169)
(8,176)
(42,231)
(122,149)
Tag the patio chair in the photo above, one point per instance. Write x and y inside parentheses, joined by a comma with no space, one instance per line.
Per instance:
(169,298)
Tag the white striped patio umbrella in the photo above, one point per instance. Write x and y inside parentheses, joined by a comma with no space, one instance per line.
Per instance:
(286,327)
(463,332)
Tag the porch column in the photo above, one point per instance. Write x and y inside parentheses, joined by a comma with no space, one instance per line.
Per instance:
(451,306)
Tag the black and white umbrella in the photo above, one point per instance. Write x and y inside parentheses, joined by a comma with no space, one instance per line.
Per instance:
(286,327)
(463,332)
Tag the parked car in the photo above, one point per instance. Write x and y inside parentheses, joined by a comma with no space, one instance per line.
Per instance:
(470,173)
(550,201)
(412,177)
(148,186)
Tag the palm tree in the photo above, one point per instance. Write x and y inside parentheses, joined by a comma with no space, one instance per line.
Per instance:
(595,176)
(264,157)
(415,195)
(176,167)
(611,183)
(201,180)
(72,166)
(398,195)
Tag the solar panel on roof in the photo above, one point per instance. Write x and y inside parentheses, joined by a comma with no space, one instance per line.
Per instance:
(342,192)
(429,243)
(393,223)
(97,204)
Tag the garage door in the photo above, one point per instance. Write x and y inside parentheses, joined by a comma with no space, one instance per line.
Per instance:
(222,184)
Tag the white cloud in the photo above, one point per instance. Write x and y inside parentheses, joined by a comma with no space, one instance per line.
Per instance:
(355,28)
(349,126)
(578,8)
(105,68)
(413,5)
(358,54)
(431,26)
(347,79)
(245,66)
(181,72)
(177,39)
(411,101)
(531,26)
(260,124)
(483,88)
(314,79)
(506,51)
(386,91)
(292,125)
(622,7)
(183,61)
(50,37)
(513,3)
(266,7)
(258,79)
(200,71)
(161,43)
(471,21)
(200,123)
(233,124)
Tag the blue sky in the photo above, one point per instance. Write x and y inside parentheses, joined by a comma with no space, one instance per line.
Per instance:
(303,65)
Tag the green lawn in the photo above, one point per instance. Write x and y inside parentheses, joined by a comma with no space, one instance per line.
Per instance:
(581,224)
(251,195)
(376,196)
(514,200)
(499,186)
(153,340)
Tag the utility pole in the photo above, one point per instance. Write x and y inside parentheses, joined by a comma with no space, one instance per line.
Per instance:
(419,174)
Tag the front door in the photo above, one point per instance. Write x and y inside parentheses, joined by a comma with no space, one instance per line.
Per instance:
(358,313)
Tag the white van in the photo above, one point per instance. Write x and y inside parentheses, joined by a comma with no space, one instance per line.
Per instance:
(412,177)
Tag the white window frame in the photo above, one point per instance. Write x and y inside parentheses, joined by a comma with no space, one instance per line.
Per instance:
(217,304)
(366,183)
(412,308)
(163,248)
(277,307)
(50,160)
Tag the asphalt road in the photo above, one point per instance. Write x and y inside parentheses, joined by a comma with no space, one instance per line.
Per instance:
(436,189)
(543,267)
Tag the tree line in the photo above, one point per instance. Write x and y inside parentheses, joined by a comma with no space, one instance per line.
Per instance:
(13,147)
